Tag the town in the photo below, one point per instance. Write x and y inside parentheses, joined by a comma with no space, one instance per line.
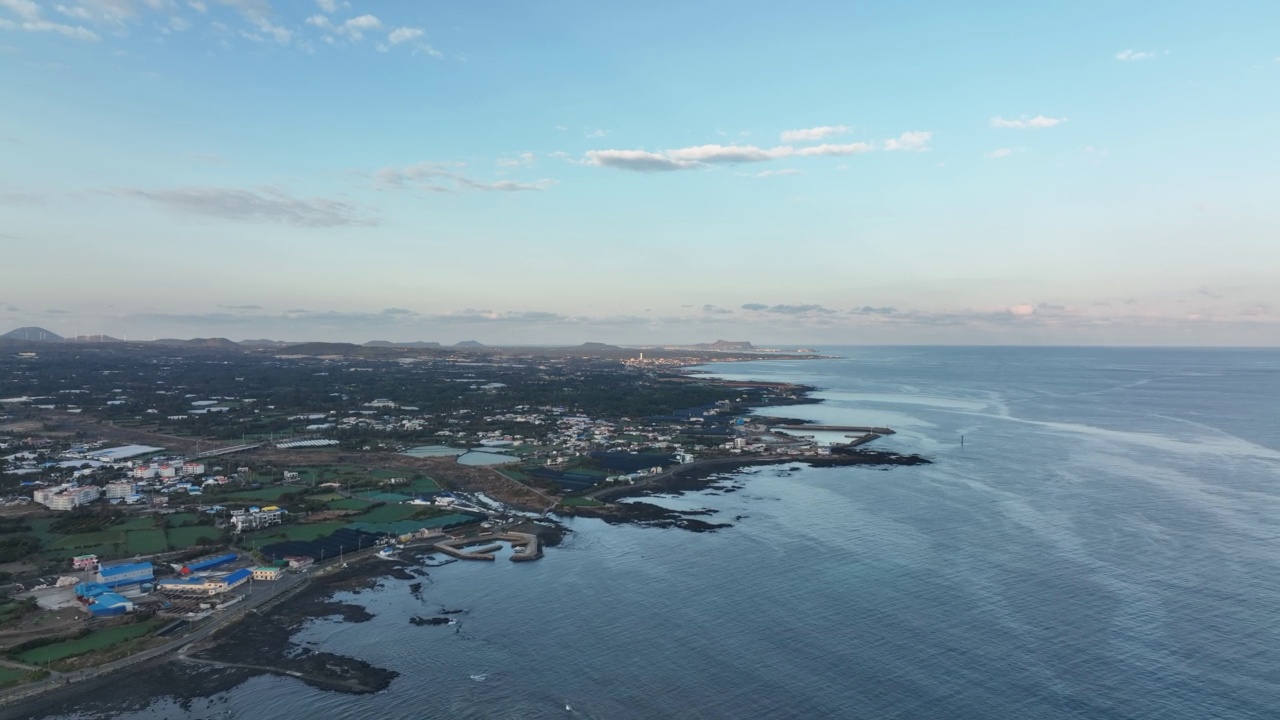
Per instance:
(150,491)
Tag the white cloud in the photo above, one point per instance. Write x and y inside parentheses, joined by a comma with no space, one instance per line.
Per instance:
(847,149)
(999,153)
(404,34)
(75,33)
(1039,121)
(773,173)
(526,158)
(1133,55)
(266,204)
(814,133)
(916,141)
(24,9)
(717,154)
(448,178)
(706,155)
(597,133)
(198,6)
(327,5)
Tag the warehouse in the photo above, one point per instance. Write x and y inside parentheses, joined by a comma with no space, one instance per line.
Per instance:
(117,576)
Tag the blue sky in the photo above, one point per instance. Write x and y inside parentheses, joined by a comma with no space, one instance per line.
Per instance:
(545,172)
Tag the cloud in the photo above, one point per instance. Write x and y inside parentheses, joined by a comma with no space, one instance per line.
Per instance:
(999,153)
(597,133)
(636,160)
(1023,310)
(523,159)
(241,307)
(404,34)
(30,20)
(789,309)
(327,5)
(1209,293)
(24,9)
(814,133)
(448,178)
(869,310)
(916,141)
(716,310)
(1049,307)
(847,149)
(258,14)
(472,315)
(1024,123)
(1133,55)
(773,173)
(266,204)
(353,28)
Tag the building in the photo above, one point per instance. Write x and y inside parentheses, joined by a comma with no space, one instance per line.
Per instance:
(119,490)
(67,497)
(298,562)
(192,468)
(117,576)
(206,585)
(110,604)
(267,573)
(145,472)
(84,562)
(207,563)
(257,518)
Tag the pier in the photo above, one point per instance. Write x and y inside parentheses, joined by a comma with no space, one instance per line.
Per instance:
(837,428)
(526,547)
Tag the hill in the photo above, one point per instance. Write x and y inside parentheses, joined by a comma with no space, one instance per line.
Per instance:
(469,344)
(417,344)
(34,334)
(200,342)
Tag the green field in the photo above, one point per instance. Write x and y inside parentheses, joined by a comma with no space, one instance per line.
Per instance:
(580,502)
(424,485)
(187,536)
(308,531)
(146,542)
(388,513)
(266,493)
(84,540)
(99,640)
(179,519)
(325,497)
(349,504)
(11,676)
(138,523)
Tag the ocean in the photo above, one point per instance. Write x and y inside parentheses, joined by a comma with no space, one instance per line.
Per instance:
(1104,544)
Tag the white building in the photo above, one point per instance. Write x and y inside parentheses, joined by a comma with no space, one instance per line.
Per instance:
(66,497)
(265,517)
(119,490)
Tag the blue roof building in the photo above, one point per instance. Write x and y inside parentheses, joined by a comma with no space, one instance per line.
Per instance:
(129,574)
(211,562)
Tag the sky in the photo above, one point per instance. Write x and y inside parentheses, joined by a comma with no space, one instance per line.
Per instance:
(547,172)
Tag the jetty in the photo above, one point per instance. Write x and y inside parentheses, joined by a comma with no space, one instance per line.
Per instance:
(838,428)
(526,546)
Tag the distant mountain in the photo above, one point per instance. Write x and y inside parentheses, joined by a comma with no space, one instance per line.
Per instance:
(417,344)
(35,334)
(263,342)
(726,346)
(94,339)
(597,347)
(469,344)
(200,342)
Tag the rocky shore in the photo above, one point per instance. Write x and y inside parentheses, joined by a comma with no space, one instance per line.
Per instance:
(702,475)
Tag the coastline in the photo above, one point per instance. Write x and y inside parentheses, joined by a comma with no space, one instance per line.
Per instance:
(260,643)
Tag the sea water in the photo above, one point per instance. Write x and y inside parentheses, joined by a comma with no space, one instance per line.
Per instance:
(1105,543)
